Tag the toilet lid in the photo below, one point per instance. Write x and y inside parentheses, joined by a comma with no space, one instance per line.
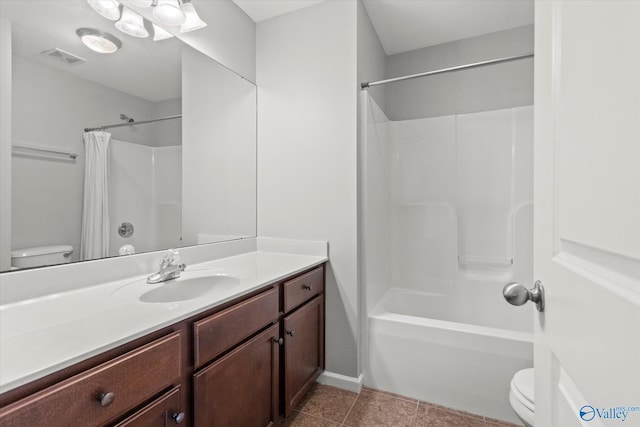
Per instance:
(523,383)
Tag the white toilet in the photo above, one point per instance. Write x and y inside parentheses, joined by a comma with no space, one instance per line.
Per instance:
(41,256)
(521,396)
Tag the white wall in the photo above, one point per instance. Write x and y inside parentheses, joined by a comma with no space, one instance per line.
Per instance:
(218,148)
(372,61)
(487,88)
(5,144)
(169,132)
(229,37)
(307,151)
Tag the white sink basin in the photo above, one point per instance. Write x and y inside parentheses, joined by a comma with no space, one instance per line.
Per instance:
(190,285)
(184,288)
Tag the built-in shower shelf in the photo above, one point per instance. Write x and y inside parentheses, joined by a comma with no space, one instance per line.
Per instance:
(485,261)
(482,268)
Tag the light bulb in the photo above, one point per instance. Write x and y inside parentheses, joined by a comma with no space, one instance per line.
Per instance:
(131,23)
(141,3)
(160,33)
(109,9)
(168,12)
(193,21)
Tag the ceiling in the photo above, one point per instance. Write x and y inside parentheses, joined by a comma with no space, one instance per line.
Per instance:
(151,70)
(259,10)
(143,68)
(404,25)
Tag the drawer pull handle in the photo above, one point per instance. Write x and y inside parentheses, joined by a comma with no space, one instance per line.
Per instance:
(290,333)
(307,287)
(106,399)
(178,417)
(278,341)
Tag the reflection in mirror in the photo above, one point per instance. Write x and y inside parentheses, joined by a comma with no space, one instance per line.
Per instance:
(169,183)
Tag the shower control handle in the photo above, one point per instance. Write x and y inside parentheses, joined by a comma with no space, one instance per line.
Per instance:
(517,294)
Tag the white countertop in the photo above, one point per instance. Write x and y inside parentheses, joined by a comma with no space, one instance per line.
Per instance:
(42,335)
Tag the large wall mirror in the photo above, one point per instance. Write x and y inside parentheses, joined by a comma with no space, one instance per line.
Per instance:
(181,160)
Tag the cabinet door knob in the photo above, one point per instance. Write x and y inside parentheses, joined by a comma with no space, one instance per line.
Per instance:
(178,417)
(290,333)
(307,287)
(278,341)
(106,399)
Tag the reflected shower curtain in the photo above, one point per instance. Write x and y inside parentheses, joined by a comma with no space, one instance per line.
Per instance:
(94,238)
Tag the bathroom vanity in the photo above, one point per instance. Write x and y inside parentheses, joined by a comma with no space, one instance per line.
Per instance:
(243,360)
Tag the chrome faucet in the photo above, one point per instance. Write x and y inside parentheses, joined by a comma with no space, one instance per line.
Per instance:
(169,267)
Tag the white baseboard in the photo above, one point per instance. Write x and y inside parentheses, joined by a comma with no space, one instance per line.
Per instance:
(341,381)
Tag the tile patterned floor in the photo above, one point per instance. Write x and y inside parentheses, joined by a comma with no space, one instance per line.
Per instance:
(326,406)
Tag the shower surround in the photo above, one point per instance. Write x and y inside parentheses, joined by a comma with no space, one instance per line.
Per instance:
(146,191)
(447,220)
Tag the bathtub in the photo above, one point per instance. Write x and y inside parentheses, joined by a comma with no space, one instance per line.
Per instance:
(424,347)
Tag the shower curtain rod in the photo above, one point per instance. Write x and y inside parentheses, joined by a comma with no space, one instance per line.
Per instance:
(448,70)
(141,122)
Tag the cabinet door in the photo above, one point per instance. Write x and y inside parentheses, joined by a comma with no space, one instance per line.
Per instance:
(240,389)
(303,351)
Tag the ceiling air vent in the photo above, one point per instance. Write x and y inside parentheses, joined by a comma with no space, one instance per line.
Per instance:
(65,56)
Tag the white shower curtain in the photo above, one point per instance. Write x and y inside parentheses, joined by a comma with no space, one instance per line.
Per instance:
(94,239)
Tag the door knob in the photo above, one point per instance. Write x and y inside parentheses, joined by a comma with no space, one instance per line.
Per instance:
(517,294)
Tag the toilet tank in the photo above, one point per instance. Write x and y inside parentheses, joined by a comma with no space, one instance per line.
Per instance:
(41,256)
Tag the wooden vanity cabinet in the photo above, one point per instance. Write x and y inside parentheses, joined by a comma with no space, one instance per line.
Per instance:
(303,333)
(243,363)
(243,386)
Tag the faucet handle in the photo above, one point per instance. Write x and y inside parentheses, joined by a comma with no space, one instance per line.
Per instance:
(171,257)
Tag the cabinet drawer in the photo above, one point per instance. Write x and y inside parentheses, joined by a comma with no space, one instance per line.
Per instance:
(165,410)
(221,331)
(303,288)
(132,378)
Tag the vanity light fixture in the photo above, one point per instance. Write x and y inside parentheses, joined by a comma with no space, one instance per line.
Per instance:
(160,33)
(193,21)
(168,12)
(132,24)
(109,9)
(99,41)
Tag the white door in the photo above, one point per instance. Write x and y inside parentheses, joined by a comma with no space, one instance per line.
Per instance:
(587,212)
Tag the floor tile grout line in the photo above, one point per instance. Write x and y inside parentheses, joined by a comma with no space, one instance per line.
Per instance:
(310,414)
(415,416)
(350,408)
